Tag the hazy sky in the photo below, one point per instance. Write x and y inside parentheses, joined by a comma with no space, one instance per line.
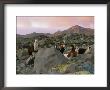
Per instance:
(27,24)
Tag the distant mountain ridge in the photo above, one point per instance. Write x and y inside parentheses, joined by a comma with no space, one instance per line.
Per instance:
(71,30)
(34,34)
(76,29)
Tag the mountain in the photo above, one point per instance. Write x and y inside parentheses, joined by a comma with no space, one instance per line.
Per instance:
(20,36)
(76,29)
(34,34)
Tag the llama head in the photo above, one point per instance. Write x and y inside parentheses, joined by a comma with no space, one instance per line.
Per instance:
(77,48)
(36,40)
(88,47)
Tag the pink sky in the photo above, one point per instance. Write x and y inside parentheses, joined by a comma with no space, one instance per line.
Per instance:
(27,24)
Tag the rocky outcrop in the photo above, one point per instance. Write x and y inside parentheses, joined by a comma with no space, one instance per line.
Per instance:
(46,58)
(52,61)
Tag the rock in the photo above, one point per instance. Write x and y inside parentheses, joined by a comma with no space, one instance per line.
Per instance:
(82,72)
(71,68)
(22,65)
(88,67)
(24,57)
(30,60)
(46,58)
(60,69)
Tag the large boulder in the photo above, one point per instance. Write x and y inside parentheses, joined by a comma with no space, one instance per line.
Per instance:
(46,58)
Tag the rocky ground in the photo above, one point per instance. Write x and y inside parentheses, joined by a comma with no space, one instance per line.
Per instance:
(51,61)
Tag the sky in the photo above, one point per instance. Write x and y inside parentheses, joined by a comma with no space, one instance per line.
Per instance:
(51,24)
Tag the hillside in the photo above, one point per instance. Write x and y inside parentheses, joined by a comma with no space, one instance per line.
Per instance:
(48,60)
(76,29)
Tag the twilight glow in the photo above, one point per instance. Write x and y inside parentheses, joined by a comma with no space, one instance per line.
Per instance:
(47,24)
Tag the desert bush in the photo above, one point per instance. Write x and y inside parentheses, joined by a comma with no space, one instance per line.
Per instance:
(22,53)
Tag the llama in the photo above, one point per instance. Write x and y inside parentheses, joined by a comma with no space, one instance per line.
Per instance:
(30,49)
(88,50)
(36,45)
(72,53)
(83,50)
(77,49)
